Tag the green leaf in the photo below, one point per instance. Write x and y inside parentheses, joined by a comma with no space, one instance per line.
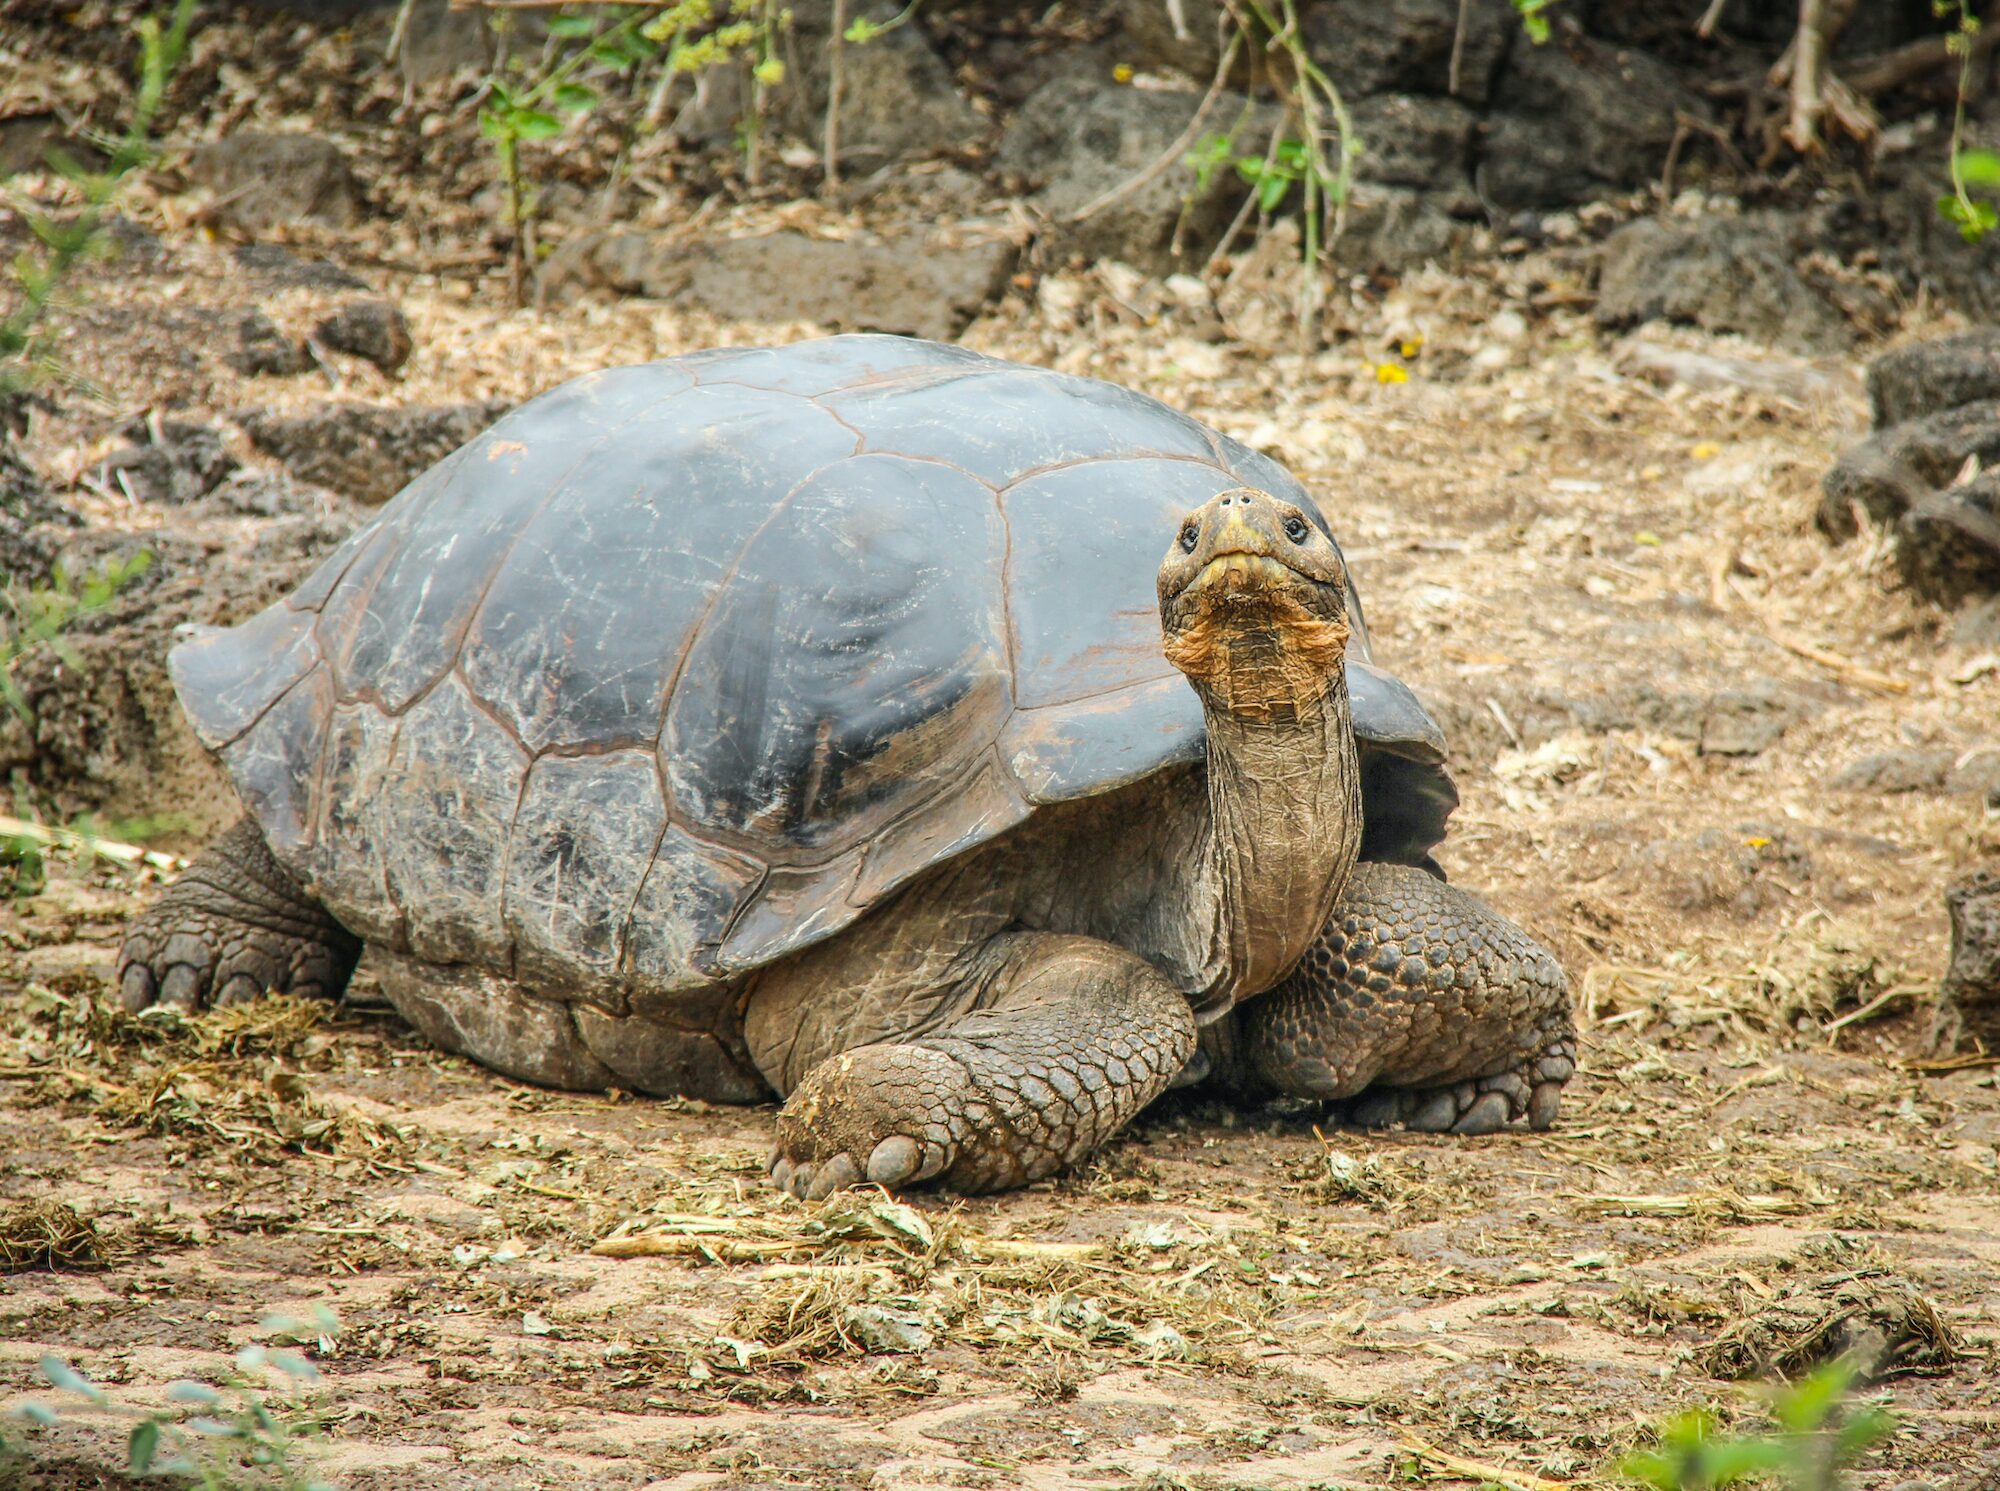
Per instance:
(861,32)
(60,1373)
(193,1392)
(144,1445)
(37,1413)
(533,124)
(1979,168)
(1272,191)
(571,27)
(575,98)
(294,1365)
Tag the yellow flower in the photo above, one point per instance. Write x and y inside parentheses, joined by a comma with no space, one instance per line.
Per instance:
(1122,73)
(1388,372)
(1411,347)
(1708,450)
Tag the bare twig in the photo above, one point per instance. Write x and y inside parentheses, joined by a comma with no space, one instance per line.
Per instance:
(1906,64)
(836,57)
(1458,44)
(1480,1470)
(69,838)
(1710,19)
(1174,151)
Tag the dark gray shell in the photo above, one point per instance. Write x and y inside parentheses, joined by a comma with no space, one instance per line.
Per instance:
(679,668)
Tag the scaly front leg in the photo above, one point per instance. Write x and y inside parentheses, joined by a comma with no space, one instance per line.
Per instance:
(1066,1039)
(1420,1003)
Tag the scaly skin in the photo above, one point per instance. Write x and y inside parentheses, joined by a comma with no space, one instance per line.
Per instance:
(1421,1002)
(236,925)
(1070,1039)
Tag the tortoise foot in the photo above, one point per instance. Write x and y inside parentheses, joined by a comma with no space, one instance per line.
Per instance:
(883,1115)
(1072,1037)
(234,926)
(1530,1092)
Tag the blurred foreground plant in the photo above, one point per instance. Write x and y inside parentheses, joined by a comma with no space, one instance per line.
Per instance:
(248,1425)
(37,274)
(1819,1433)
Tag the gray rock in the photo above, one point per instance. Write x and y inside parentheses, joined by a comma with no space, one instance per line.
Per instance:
(280,268)
(27,142)
(364,451)
(440,39)
(1574,119)
(1971,986)
(1418,142)
(1896,771)
(1076,140)
(1149,38)
(1394,228)
(1721,274)
(1948,543)
(1894,470)
(897,97)
(1405,46)
(26,558)
(1745,722)
(170,462)
(371,329)
(262,350)
(264,181)
(1927,377)
(912,286)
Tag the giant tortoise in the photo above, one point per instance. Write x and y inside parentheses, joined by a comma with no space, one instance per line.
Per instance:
(819,723)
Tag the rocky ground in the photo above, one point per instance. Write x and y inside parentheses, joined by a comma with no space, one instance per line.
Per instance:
(1713,747)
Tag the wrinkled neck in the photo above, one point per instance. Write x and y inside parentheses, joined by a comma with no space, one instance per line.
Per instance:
(1284,794)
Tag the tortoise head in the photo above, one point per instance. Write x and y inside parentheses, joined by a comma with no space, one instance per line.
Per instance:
(1253,605)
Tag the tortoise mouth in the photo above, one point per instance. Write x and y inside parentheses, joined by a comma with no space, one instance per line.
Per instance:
(1241,577)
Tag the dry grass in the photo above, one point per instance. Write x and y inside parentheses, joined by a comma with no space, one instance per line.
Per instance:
(46,1234)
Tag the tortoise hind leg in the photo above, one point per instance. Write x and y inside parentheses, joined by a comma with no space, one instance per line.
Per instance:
(572,1044)
(1420,1004)
(1061,1041)
(235,925)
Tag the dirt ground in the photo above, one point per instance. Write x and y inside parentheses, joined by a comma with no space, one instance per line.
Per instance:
(1593,555)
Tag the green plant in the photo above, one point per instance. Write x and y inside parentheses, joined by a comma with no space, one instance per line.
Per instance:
(1974,216)
(35,617)
(531,108)
(1314,146)
(591,46)
(38,274)
(25,846)
(1819,1433)
(247,1427)
(1534,18)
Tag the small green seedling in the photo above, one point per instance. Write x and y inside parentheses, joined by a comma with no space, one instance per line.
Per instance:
(38,273)
(1818,1435)
(35,617)
(1973,205)
(246,1431)
(1534,19)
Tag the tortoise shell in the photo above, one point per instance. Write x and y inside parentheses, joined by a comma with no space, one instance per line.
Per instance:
(679,668)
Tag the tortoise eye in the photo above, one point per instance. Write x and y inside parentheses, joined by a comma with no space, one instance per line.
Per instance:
(1190,536)
(1295,529)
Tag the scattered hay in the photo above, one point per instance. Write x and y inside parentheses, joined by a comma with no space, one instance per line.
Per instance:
(794,1321)
(845,1226)
(205,1102)
(46,1234)
(272,1025)
(1878,1319)
(1718,1205)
